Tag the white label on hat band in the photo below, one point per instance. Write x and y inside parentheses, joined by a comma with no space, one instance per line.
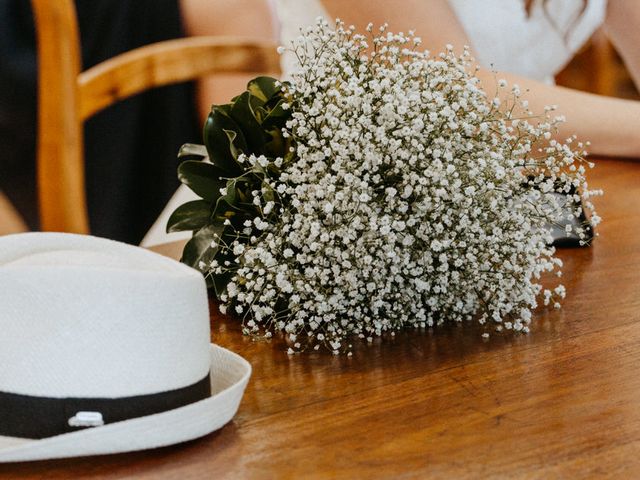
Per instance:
(86,419)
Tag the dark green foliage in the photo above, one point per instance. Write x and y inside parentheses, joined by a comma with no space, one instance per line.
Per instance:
(251,124)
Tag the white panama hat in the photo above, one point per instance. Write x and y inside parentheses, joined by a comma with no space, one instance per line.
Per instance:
(105,348)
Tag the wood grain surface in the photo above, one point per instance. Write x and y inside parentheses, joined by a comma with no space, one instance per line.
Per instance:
(561,402)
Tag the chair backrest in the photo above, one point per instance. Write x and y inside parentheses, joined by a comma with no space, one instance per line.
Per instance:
(67,96)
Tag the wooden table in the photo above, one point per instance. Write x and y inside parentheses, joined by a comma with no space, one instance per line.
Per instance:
(561,402)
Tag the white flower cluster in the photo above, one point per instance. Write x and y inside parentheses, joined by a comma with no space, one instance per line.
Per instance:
(412,198)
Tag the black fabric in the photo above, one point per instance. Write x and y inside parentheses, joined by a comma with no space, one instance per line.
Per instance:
(26,416)
(130,148)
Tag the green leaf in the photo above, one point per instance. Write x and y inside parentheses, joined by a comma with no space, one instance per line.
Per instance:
(268,193)
(263,87)
(231,135)
(203,178)
(243,115)
(225,210)
(277,117)
(224,108)
(257,107)
(238,194)
(192,151)
(230,197)
(199,249)
(278,146)
(218,143)
(190,216)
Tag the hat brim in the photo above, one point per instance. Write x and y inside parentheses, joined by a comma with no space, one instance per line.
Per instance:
(229,376)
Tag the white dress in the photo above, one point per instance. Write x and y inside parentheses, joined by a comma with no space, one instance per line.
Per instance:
(501,33)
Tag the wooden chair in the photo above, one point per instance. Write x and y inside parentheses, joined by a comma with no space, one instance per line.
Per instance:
(67,96)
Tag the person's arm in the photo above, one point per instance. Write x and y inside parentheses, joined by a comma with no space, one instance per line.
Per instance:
(10,219)
(234,18)
(623,28)
(611,125)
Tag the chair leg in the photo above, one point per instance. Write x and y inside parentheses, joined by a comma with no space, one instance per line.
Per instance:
(10,219)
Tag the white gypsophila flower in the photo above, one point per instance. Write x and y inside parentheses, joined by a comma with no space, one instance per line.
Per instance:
(412,198)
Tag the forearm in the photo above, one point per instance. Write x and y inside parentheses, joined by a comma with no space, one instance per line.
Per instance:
(612,125)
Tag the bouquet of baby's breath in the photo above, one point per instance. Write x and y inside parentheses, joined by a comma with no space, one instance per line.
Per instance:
(380,188)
